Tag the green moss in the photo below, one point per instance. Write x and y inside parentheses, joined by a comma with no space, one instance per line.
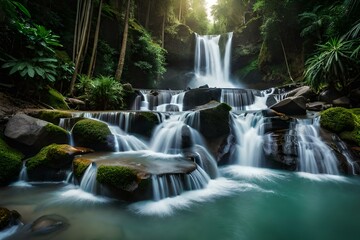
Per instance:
(93,134)
(79,166)
(52,116)
(116,176)
(337,119)
(55,99)
(10,163)
(5,216)
(52,156)
(344,121)
(56,132)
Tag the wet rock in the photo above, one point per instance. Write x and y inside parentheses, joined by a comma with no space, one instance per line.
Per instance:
(291,106)
(48,224)
(52,116)
(10,163)
(342,102)
(34,133)
(214,119)
(8,218)
(127,175)
(51,160)
(304,91)
(329,95)
(172,108)
(93,134)
(200,96)
(143,123)
(317,106)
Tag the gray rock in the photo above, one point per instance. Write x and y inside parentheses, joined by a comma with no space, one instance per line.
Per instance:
(342,102)
(291,106)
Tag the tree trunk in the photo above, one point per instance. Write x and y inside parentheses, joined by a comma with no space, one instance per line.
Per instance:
(286,61)
(180,10)
(148,15)
(121,62)
(96,40)
(163,31)
(87,37)
(83,35)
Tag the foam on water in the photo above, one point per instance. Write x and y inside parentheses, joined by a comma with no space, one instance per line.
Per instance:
(216,188)
(252,173)
(322,177)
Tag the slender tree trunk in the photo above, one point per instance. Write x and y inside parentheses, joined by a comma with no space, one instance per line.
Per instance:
(148,15)
(163,31)
(121,62)
(180,10)
(96,40)
(83,34)
(76,29)
(87,37)
(286,61)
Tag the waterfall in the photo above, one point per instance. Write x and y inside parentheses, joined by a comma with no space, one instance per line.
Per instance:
(174,184)
(88,181)
(161,100)
(126,142)
(248,133)
(211,67)
(23,176)
(353,166)
(314,156)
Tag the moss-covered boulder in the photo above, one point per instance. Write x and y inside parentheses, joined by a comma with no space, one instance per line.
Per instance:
(8,218)
(52,116)
(214,119)
(345,122)
(51,160)
(128,175)
(80,165)
(143,123)
(93,134)
(54,99)
(34,134)
(10,163)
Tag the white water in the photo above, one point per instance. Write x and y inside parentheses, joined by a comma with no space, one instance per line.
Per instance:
(88,181)
(248,133)
(125,142)
(211,67)
(314,156)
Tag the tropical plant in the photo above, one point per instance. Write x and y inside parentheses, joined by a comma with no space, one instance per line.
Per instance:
(332,65)
(105,93)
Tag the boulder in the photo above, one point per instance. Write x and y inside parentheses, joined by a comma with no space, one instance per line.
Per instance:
(128,175)
(200,96)
(329,95)
(93,134)
(291,106)
(52,116)
(52,161)
(8,218)
(317,106)
(304,91)
(337,120)
(48,224)
(342,102)
(10,163)
(143,123)
(34,133)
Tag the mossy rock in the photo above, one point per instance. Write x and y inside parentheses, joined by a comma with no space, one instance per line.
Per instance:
(54,99)
(57,133)
(214,121)
(10,163)
(52,116)
(337,119)
(5,217)
(345,122)
(119,177)
(79,166)
(144,123)
(93,134)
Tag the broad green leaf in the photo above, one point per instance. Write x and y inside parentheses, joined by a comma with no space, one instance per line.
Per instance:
(22,8)
(31,72)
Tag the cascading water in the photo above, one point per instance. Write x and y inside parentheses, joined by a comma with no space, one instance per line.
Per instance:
(211,67)
(314,156)
(248,133)
(88,181)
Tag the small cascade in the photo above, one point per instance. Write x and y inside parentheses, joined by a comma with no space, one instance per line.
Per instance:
(88,181)
(205,160)
(161,100)
(126,142)
(248,133)
(238,99)
(353,166)
(314,156)
(23,176)
(192,119)
(173,135)
(174,184)
(211,67)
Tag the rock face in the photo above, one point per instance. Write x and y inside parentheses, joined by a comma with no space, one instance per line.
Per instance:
(127,175)
(93,134)
(52,161)
(34,133)
(200,96)
(52,116)
(214,119)
(10,163)
(291,106)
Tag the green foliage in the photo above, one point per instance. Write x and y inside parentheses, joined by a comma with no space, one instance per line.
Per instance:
(79,166)
(332,64)
(106,63)
(53,98)
(346,122)
(11,8)
(117,176)
(51,156)
(252,66)
(52,116)
(10,163)
(105,94)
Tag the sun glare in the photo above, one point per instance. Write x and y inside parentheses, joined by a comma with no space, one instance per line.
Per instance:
(209,4)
